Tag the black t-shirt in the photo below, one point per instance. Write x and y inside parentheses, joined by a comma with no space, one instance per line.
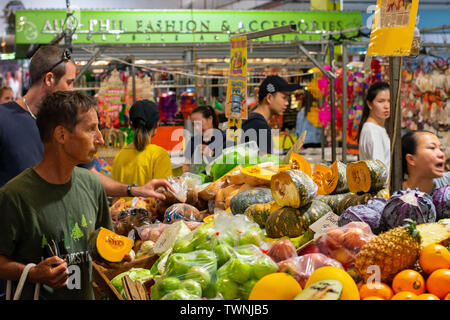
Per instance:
(214,144)
(257,129)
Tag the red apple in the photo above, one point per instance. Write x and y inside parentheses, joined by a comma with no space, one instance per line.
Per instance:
(310,248)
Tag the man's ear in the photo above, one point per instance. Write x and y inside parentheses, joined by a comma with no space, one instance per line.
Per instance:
(60,134)
(49,79)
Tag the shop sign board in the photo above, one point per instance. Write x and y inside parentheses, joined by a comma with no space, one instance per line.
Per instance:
(393,28)
(174,26)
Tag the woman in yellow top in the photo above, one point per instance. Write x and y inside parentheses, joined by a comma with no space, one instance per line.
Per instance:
(140,161)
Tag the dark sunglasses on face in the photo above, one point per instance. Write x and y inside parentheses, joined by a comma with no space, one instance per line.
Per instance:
(67,55)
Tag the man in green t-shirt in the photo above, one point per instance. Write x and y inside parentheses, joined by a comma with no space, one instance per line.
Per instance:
(55,203)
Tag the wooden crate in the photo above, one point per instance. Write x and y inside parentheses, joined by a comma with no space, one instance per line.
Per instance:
(102,276)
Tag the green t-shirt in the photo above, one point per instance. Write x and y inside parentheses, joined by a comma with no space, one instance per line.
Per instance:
(35,212)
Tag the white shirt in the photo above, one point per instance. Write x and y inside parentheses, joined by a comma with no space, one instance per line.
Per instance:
(374,144)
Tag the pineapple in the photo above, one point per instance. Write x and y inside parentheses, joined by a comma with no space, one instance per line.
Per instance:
(434,232)
(392,251)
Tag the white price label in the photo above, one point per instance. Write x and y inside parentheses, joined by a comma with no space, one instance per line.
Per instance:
(329,220)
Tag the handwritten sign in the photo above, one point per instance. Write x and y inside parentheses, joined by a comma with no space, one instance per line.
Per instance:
(329,220)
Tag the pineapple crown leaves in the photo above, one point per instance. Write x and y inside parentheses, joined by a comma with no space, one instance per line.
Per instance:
(411,227)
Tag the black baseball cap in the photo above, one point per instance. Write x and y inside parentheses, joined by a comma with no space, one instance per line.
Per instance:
(272,84)
(144,113)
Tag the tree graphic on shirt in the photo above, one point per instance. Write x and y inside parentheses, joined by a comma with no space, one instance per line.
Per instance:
(76,232)
(83,221)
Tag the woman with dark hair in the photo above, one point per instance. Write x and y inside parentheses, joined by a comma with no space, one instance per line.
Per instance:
(373,140)
(208,140)
(141,161)
(423,161)
(6,95)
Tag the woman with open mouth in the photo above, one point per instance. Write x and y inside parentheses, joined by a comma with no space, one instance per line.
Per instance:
(423,161)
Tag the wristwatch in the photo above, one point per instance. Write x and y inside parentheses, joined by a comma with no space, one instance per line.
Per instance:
(129,189)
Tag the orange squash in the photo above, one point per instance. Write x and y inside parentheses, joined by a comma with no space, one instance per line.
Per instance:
(320,171)
(107,245)
(335,181)
(260,174)
(298,162)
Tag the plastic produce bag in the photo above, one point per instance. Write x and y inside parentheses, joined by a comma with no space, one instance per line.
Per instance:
(152,231)
(183,211)
(343,243)
(302,267)
(170,234)
(192,272)
(247,264)
(203,237)
(237,230)
(131,218)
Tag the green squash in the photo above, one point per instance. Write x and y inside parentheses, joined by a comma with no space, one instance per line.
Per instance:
(259,212)
(333,200)
(292,222)
(292,188)
(241,201)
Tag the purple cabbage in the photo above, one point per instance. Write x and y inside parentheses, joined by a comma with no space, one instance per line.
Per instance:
(441,200)
(369,213)
(407,204)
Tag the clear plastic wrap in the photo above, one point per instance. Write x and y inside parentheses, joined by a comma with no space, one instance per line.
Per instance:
(302,267)
(246,265)
(343,243)
(192,273)
(281,250)
(183,211)
(131,218)
(151,231)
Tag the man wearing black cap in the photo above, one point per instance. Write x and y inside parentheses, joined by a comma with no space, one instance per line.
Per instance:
(273,99)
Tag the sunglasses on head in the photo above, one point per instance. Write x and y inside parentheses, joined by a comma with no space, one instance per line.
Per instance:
(67,55)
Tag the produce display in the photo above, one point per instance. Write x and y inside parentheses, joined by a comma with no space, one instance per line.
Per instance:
(274,231)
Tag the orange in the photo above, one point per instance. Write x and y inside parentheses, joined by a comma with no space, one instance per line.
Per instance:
(438,283)
(447,297)
(408,280)
(275,286)
(373,298)
(426,296)
(376,289)
(434,256)
(404,295)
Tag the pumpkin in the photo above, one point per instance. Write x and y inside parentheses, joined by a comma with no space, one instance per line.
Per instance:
(292,188)
(333,200)
(235,176)
(335,180)
(320,171)
(259,212)
(210,191)
(109,246)
(441,201)
(407,204)
(292,222)
(241,201)
(298,162)
(261,174)
(366,176)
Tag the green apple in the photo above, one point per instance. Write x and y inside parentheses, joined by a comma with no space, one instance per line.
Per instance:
(252,236)
(263,266)
(179,294)
(183,246)
(192,287)
(223,253)
(228,288)
(199,274)
(163,286)
(246,288)
(177,265)
(239,270)
(206,239)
